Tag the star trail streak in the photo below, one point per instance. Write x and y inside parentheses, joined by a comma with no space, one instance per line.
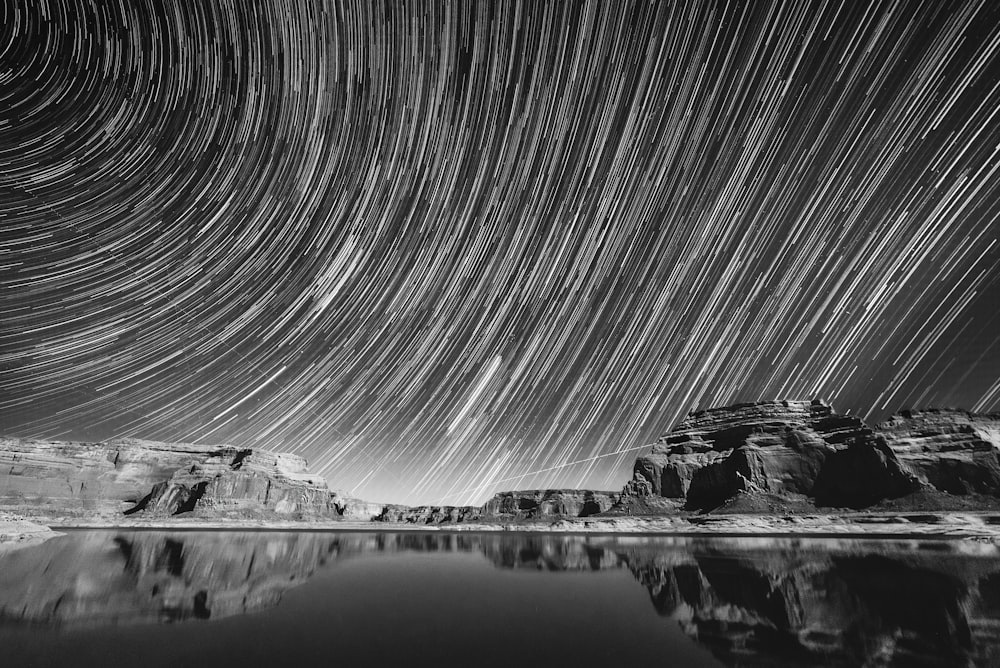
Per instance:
(442,249)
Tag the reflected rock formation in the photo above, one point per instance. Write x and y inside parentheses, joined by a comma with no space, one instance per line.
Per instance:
(750,601)
(98,578)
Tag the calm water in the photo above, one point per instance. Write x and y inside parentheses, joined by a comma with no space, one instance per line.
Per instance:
(148,598)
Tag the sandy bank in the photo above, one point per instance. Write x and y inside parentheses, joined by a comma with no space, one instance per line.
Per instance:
(980,526)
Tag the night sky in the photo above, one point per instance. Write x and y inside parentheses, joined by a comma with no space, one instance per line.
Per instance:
(446,249)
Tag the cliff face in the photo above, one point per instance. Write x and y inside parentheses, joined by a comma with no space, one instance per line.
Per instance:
(157,479)
(529,504)
(105,476)
(779,448)
(243,481)
(953,451)
(789,450)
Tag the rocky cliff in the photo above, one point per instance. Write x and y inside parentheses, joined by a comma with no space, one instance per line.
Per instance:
(953,451)
(797,452)
(86,477)
(158,479)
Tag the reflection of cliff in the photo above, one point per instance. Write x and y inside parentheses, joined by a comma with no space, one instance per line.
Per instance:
(780,608)
(96,578)
(758,601)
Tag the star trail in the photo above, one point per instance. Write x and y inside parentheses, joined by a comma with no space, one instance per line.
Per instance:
(443,249)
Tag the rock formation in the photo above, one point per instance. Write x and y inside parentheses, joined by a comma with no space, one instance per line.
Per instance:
(774,456)
(953,451)
(243,481)
(783,448)
(428,514)
(531,504)
(83,478)
(159,479)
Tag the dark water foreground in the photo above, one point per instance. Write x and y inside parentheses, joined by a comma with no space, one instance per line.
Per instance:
(151,598)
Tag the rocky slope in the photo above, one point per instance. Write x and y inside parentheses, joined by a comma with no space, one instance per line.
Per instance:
(805,455)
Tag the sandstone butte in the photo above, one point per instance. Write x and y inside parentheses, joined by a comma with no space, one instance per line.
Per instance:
(775,457)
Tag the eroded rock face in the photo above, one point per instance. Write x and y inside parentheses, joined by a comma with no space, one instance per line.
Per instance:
(244,481)
(85,477)
(163,479)
(953,451)
(526,504)
(351,508)
(794,448)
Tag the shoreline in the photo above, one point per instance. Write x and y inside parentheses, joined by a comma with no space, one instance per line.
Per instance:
(978,526)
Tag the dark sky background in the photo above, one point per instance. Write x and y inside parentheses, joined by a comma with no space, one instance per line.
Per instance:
(447,249)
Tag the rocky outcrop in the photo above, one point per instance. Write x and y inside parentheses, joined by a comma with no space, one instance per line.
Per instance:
(237,482)
(84,478)
(358,510)
(535,503)
(161,479)
(429,514)
(791,448)
(952,451)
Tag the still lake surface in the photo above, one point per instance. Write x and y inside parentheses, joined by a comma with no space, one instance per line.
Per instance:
(228,598)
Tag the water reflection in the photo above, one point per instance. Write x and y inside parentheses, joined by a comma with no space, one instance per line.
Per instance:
(750,601)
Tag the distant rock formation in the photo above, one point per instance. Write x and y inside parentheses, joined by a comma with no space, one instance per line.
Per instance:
(428,514)
(538,503)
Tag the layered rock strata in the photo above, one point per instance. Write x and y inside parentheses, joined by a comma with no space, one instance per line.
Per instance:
(788,450)
(784,448)
(243,481)
(161,479)
(953,451)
